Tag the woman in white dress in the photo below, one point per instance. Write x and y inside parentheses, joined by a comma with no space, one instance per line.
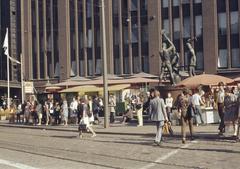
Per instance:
(85,121)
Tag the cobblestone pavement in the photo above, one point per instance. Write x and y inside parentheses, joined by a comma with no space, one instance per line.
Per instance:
(117,147)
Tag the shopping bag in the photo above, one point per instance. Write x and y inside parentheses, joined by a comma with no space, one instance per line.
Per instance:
(166,128)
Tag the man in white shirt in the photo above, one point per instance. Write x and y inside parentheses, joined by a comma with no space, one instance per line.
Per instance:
(196,102)
(73,108)
(169,105)
(220,103)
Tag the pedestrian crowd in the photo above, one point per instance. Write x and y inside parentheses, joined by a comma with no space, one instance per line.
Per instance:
(189,107)
(85,111)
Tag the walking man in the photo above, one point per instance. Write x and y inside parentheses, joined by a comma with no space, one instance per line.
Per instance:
(220,103)
(158,114)
(196,102)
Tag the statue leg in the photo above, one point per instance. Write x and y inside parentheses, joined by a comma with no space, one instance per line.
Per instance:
(169,67)
(162,72)
(193,71)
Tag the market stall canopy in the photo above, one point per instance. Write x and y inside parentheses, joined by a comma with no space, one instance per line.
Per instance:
(68,83)
(109,77)
(78,78)
(52,88)
(144,75)
(92,88)
(204,79)
(136,80)
(89,88)
(237,79)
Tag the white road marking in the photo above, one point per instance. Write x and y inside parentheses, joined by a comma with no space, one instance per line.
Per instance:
(16,165)
(165,157)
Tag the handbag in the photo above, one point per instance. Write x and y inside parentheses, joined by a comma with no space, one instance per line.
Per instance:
(89,114)
(166,128)
(82,125)
(138,106)
(190,111)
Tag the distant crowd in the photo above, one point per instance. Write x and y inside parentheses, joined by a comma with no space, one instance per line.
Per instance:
(87,110)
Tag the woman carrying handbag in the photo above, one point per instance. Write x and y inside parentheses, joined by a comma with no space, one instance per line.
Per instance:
(85,121)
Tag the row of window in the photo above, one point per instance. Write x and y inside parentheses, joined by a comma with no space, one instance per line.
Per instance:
(226,13)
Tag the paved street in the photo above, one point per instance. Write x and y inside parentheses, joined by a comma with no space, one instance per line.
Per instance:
(118,147)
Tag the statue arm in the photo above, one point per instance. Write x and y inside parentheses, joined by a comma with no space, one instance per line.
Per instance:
(172,47)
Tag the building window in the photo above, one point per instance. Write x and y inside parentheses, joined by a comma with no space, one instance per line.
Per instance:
(144,34)
(200,60)
(134,33)
(117,66)
(143,4)
(176,28)
(197,1)
(198,25)
(186,27)
(73,68)
(81,67)
(125,33)
(165,3)
(176,2)
(222,58)
(57,70)
(166,26)
(126,65)
(116,35)
(185,2)
(145,64)
(89,8)
(235,58)
(233,5)
(136,65)
(221,6)
(222,23)
(115,6)
(134,4)
(98,66)
(234,22)
(89,38)
(90,66)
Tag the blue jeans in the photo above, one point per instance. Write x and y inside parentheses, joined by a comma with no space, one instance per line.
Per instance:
(198,112)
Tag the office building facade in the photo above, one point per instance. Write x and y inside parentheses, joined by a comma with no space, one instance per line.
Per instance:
(9,20)
(60,39)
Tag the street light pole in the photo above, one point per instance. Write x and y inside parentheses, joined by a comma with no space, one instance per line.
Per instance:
(104,59)
(22,80)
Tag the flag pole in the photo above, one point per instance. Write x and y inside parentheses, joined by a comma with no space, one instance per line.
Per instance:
(8,76)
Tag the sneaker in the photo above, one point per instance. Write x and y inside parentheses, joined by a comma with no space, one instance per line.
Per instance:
(183,141)
(94,135)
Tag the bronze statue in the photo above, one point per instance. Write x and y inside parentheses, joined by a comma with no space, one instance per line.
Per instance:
(192,60)
(169,58)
